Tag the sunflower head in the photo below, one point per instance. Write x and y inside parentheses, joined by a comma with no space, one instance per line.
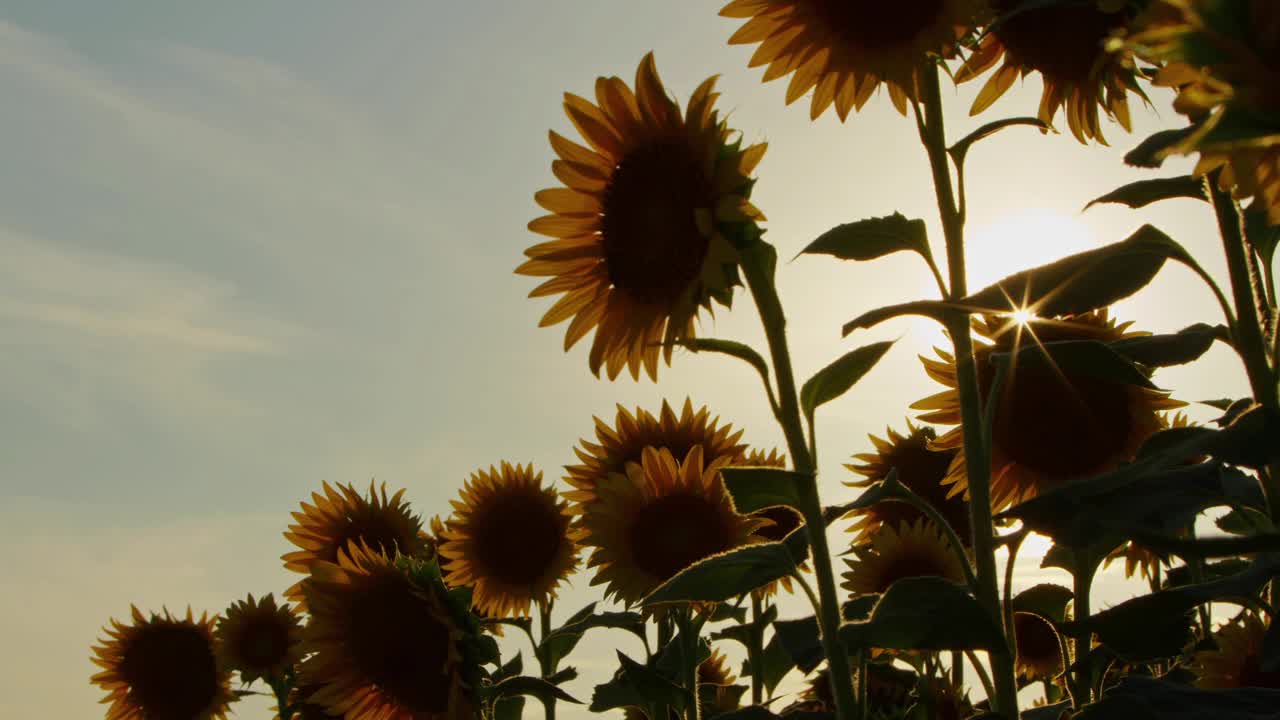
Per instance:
(917,549)
(509,539)
(342,516)
(259,639)
(921,468)
(1237,661)
(617,445)
(386,639)
(645,224)
(1039,656)
(1066,43)
(717,690)
(844,51)
(1051,426)
(662,516)
(162,668)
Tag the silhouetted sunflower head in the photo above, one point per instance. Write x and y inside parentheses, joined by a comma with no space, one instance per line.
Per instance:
(162,668)
(509,539)
(643,223)
(1039,655)
(342,516)
(892,553)
(259,639)
(1237,661)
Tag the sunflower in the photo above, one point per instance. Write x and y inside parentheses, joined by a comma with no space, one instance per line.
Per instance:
(716,689)
(659,518)
(259,639)
(920,468)
(1050,427)
(386,641)
(624,442)
(892,553)
(341,516)
(162,668)
(1039,655)
(509,540)
(1066,44)
(845,50)
(888,692)
(1223,58)
(640,224)
(1237,661)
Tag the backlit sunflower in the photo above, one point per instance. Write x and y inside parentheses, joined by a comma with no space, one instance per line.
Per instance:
(162,668)
(624,442)
(509,540)
(341,516)
(1237,662)
(259,639)
(1039,655)
(1066,44)
(779,521)
(659,518)
(844,50)
(894,552)
(1223,58)
(386,641)
(639,225)
(888,692)
(1050,427)
(920,468)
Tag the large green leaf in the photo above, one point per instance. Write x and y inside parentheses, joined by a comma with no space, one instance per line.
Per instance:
(1046,600)
(1150,153)
(743,631)
(1142,698)
(564,639)
(835,379)
(872,238)
(727,575)
(756,488)
(1144,192)
(926,613)
(1076,358)
(800,639)
(776,663)
(530,686)
(1179,348)
(635,685)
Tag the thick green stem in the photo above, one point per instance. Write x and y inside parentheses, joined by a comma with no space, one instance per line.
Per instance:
(760,281)
(1082,580)
(977,458)
(688,640)
(755,653)
(544,659)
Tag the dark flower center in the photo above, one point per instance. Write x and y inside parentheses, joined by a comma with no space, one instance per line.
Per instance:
(908,562)
(263,641)
(784,521)
(1063,42)
(876,24)
(385,530)
(923,470)
(674,532)
(652,245)
(517,536)
(171,672)
(398,645)
(1037,643)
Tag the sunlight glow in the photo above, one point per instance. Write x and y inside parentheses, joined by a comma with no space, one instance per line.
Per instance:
(1022,316)
(1021,240)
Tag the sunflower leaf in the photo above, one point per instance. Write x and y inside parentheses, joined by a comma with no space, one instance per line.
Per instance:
(835,379)
(1144,192)
(738,350)
(1046,599)
(961,148)
(1179,348)
(635,685)
(872,238)
(727,575)
(1262,235)
(564,639)
(1077,358)
(1150,153)
(1144,698)
(925,613)
(756,488)
(743,631)
(530,686)
(511,708)
(775,663)
(800,640)
(933,309)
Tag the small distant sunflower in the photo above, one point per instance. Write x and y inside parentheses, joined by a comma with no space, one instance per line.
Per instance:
(509,540)
(640,223)
(716,688)
(1067,44)
(892,553)
(1039,655)
(259,639)
(1050,428)
(888,692)
(920,468)
(162,668)
(1237,663)
(385,640)
(624,442)
(844,50)
(659,518)
(342,516)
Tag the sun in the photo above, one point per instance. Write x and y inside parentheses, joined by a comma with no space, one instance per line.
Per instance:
(1021,240)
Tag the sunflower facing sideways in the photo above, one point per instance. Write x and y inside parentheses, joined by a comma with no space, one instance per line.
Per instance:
(509,539)
(162,668)
(1066,43)
(891,553)
(331,522)
(659,518)
(845,50)
(1237,661)
(1039,655)
(259,639)
(385,640)
(639,224)
(1051,426)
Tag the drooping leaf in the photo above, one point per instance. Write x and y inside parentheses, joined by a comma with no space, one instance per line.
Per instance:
(564,639)
(532,687)
(872,238)
(1262,235)
(732,348)
(725,611)
(835,379)
(635,685)
(1150,152)
(1180,575)
(1179,348)
(756,488)
(1046,600)
(926,613)
(960,150)
(801,641)
(776,663)
(933,309)
(1143,698)
(743,631)
(1144,192)
(1077,358)
(727,575)
(1244,521)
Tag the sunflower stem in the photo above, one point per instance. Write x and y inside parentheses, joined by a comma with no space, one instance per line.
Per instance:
(755,653)
(977,459)
(1082,574)
(688,640)
(757,263)
(545,662)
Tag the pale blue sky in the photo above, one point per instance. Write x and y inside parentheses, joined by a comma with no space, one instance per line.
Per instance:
(249,247)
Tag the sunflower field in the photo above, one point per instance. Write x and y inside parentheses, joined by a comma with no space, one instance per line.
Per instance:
(1046,421)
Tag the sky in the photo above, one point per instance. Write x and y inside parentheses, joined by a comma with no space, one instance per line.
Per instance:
(248,247)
